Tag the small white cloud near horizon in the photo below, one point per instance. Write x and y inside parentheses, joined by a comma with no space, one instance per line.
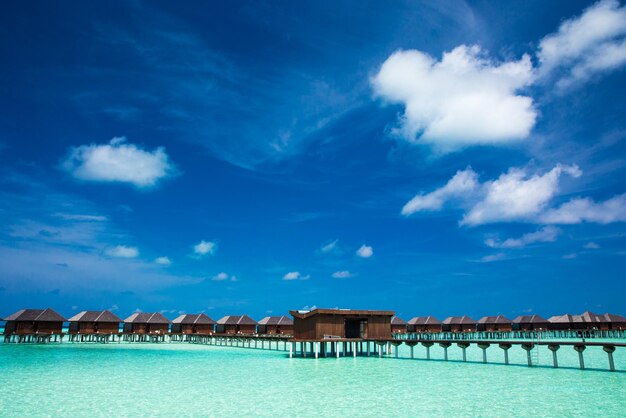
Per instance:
(295,275)
(342,274)
(122,251)
(464,99)
(365,251)
(164,261)
(591,246)
(223,276)
(118,161)
(584,46)
(545,234)
(205,247)
(493,257)
(82,217)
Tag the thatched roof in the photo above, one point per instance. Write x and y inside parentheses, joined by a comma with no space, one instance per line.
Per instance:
(236,320)
(95,316)
(194,319)
(563,319)
(424,320)
(459,320)
(396,320)
(276,320)
(530,319)
(147,318)
(500,319)
(36,315)
(614,318)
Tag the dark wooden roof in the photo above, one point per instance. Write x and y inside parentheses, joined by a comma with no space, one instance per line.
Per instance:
(499,319)
(424,320)
(530,319)
(396,320)
(276,320)
(458,320)
(36,315)
(614,318)
(194,319)
(95,316)
(562,319)
(147,318)
(236,320)
(343,312)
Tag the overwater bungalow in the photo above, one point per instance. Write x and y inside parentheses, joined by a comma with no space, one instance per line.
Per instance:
(421,324)
(94,322)
(275,325)
(530,323)
(146,323)
(320,324)
(494,323)
(458,324)
(236,324)
(193,324)
(34,321)
(562,322)
(398,325)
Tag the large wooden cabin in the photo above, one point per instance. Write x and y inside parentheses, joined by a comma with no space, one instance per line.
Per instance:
(94,322)
(494,323)
(193,324)
(34,321)
(146,323)
(458,324)
(530,323)
(341,323)
(236,324)
(424,324)
(275,325)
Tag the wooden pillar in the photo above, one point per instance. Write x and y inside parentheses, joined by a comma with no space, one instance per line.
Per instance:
(427,345)
(528,347)
(554,348)
(445,350)
(463,347)
(368,349)
(579,349)
(609,349)
(291,351)
(505,347)
(484,346)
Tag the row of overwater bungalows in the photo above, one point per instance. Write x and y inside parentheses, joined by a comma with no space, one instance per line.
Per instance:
(47,321)
(500,323)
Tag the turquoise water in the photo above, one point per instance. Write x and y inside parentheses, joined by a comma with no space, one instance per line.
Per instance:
(191,380)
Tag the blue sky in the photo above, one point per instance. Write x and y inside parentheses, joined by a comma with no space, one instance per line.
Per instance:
(441,158)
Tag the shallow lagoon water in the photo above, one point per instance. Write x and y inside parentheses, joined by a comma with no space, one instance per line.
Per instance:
(192,380)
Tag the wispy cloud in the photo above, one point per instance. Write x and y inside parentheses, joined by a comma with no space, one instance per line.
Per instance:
(164,261)
(332,247)
(493,257)
(220,277)
(591,246)
(545,234)
(118,161)
(342,274)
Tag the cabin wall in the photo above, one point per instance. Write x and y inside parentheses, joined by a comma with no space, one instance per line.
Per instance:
(45,327)
(304,328)
(328,325)
(378,327)
(204,329)
(317,326)
(398,329)
(247,329)
(158,328)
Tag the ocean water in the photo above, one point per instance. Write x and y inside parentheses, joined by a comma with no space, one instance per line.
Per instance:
(181,379)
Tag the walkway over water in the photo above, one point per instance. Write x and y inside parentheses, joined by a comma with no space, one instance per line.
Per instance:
(346,347)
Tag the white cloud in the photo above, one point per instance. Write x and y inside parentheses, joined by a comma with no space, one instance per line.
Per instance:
(593,43)
(220,277)
(295,275)
(493,257)
(591,246)
(164,261)
(205,247)
(545,234)
(586,210)
(464,99)
(81,217)
(570,256)
(330,247)
(460,184)
(122,251)
(516,195)
(342,274)
(118,161)
(365,251)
